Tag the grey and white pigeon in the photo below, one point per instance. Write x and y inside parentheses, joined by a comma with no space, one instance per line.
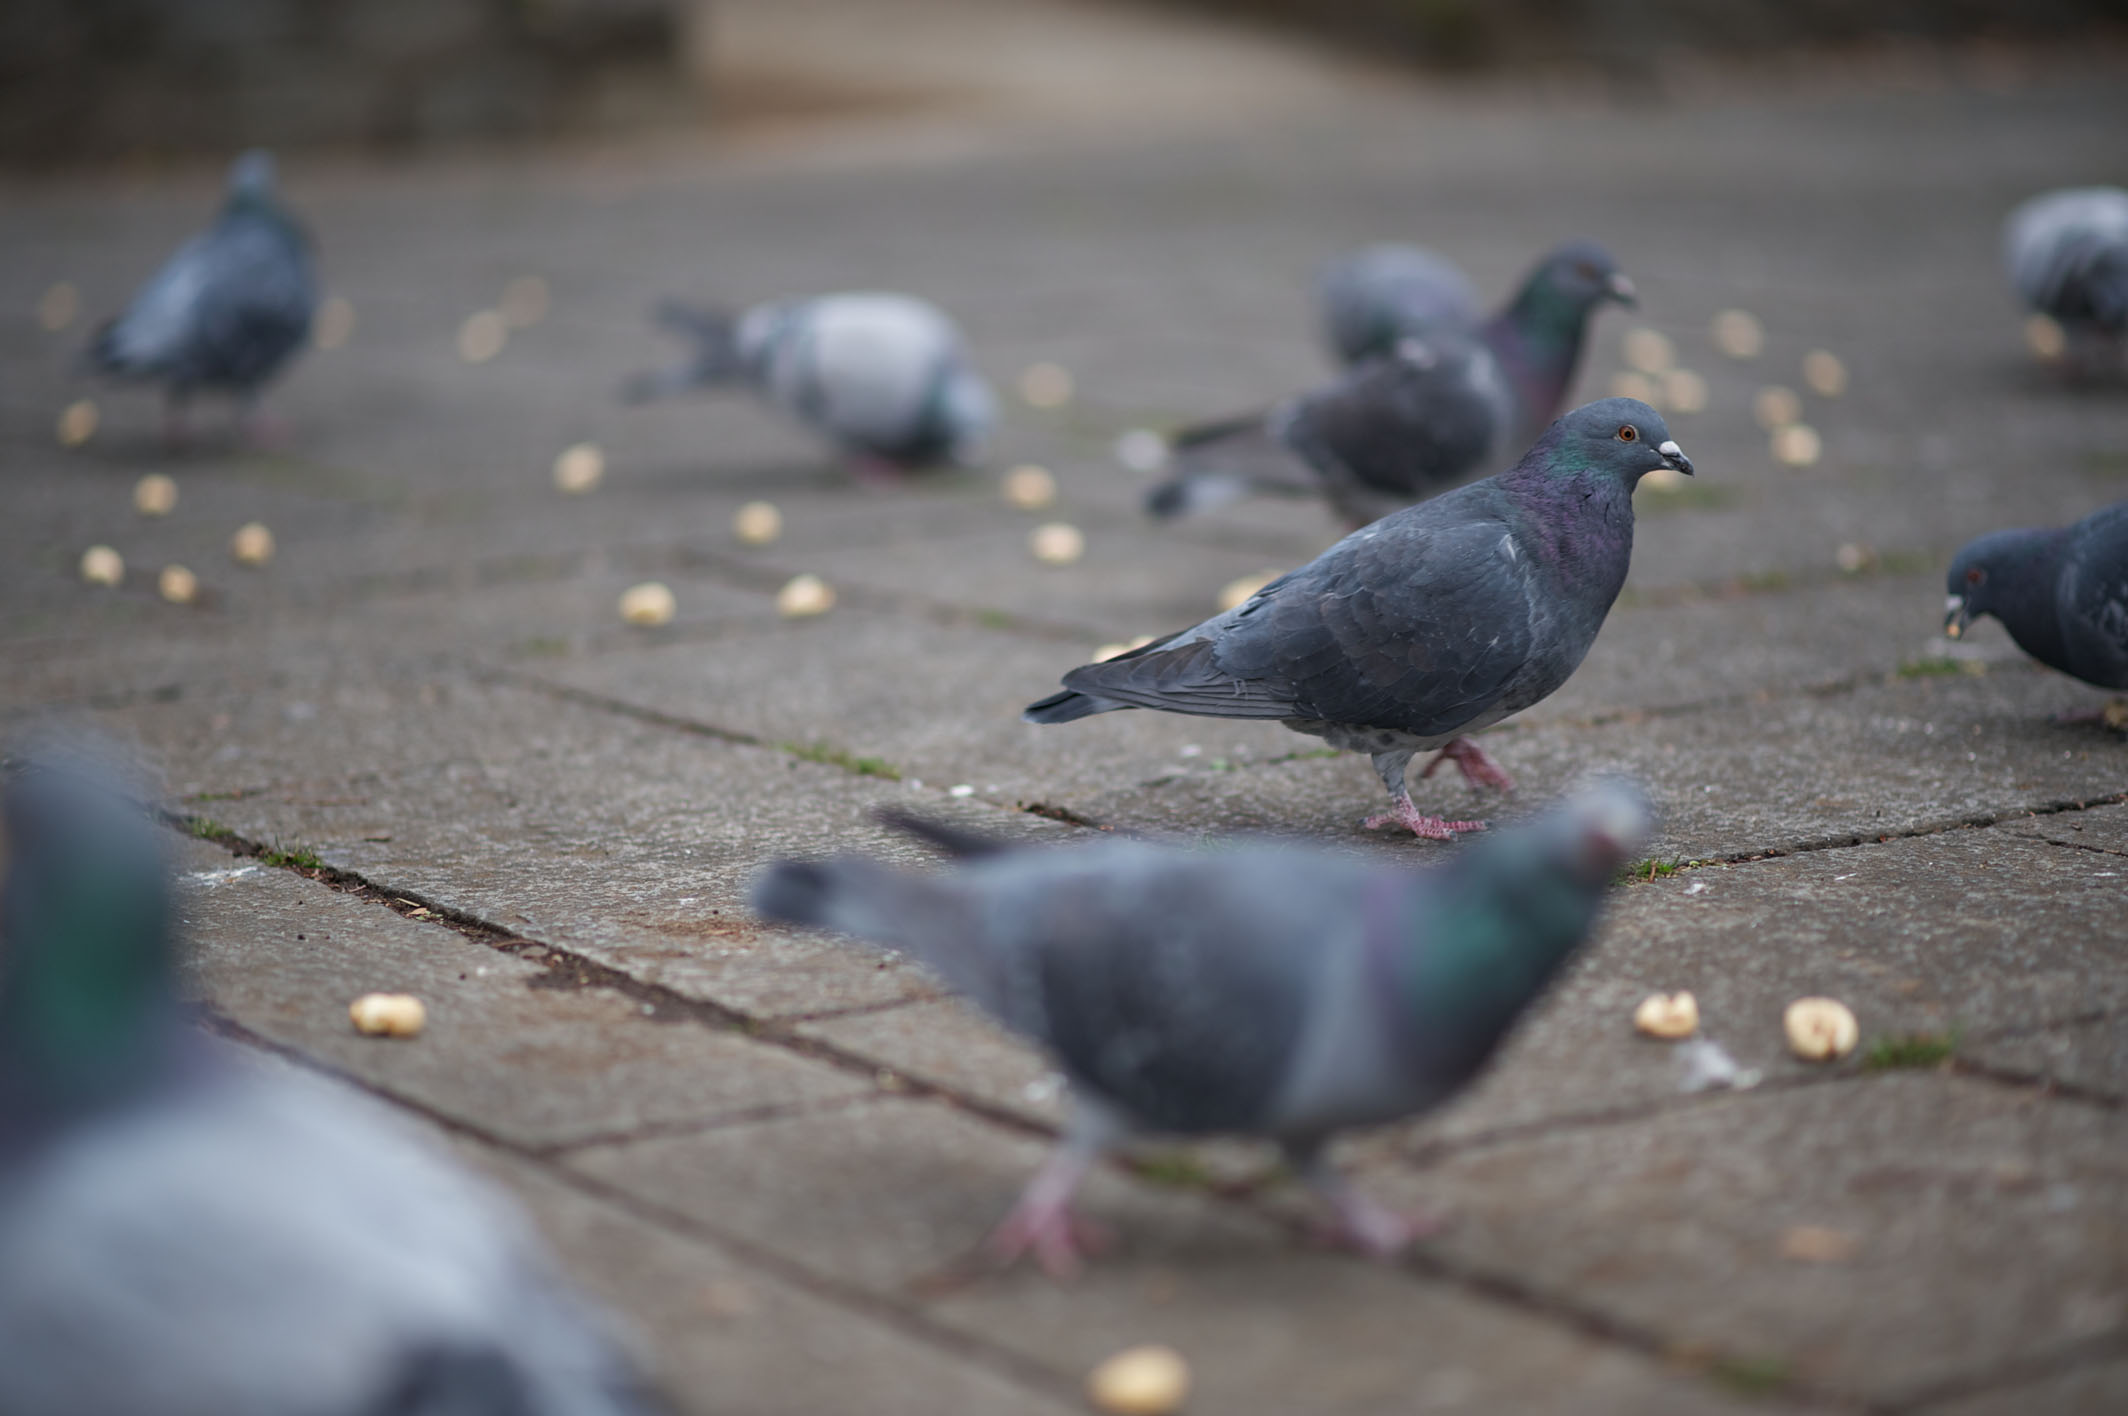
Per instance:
(2067,253)
(1434,409)
(225,314)
(1375,297)
(1419,630)
(186,1234)
(1274,990)
(2062,592)
(884,377)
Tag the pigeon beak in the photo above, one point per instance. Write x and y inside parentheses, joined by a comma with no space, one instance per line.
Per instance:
(1674,458)
(1621,289)
(1955,617)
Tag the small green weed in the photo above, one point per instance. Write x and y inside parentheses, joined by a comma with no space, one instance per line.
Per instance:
(1910,1050)
(831,756)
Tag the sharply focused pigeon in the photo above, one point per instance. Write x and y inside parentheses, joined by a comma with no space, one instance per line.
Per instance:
(1374,297)
(1273,990)
(183,1233)
(2062,592)
(2067,253)
(1398,426)
(227,312)
(884,377)
(1424,627)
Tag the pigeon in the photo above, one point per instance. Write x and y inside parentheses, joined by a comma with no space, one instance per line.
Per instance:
(2062,592)
(1374,297)
(2067,253)
(185,1232)
(227,312)
(1434,409)
(884,377)
(1269,989)
(1424,627)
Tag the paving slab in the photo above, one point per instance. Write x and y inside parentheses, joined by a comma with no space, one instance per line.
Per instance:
(2093,1387)
(508,1049)
(2090,1054)
(1983,1223)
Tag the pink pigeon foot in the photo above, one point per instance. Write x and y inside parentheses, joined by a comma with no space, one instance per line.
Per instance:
(1042,1221)
(1433,828)
(1477,765)
(1375,1229)
(877,473)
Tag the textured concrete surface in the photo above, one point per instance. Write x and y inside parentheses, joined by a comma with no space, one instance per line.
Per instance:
(775,1153)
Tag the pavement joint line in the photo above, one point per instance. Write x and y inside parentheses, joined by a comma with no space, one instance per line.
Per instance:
(911,1321)
(2046,1086)
(863,1010)
(704,1125)
(2081,846)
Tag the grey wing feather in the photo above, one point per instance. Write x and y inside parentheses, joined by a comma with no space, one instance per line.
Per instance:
(227,310)
(2067,253)
(1405,425)
(2092,598)
(1417,623)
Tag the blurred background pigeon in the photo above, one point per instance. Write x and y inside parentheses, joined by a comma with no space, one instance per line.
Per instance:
(2061,592)
(184,1232)
(2067,253)
(1438,406)
(1273,990)
(884,377)
(1432,623)
(227,312)
(1375,297)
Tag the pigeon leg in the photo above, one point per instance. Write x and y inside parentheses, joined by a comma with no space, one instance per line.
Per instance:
(1390,767)
(1477,765)
(1362,1222)
(1042,1221)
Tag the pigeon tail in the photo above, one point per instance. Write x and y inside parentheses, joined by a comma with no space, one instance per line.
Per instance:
(1222,462)
(716,358)
(852,895)
(1067,707)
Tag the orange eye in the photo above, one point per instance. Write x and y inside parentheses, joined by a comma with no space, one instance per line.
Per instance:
(1629,433)
(1975,576)
(1587,271)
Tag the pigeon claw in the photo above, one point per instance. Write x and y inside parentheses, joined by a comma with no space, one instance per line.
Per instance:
(1432,828)
(1474,762)
(1059,1240)
(1375,1229)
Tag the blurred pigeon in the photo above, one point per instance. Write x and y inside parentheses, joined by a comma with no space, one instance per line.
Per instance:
(2061,592)
(1434,409)
(2067,253)
(1374,297)
(227,312)
(885,377)
(185,1233)
(1274,990)
(1426,626)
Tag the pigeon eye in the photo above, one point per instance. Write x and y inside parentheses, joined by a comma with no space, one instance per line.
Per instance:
(1975,576)
(1586,270)
(1629,433)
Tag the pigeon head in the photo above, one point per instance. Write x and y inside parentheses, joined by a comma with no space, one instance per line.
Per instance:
(1620,436)
(86,952)
(252,174)
(1578,276)
(2008,574)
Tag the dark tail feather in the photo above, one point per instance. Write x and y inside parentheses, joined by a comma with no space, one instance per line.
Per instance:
(101,355)
(1194,492)
(953,840)
(1066,707)
(714,335)
(1224,461)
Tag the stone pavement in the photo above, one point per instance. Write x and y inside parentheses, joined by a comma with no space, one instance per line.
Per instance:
(421,752)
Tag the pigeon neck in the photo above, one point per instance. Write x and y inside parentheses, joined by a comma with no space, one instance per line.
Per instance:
(2021,589)
(87,1017)
(1538,340)
(1576,521)
(1465,970)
